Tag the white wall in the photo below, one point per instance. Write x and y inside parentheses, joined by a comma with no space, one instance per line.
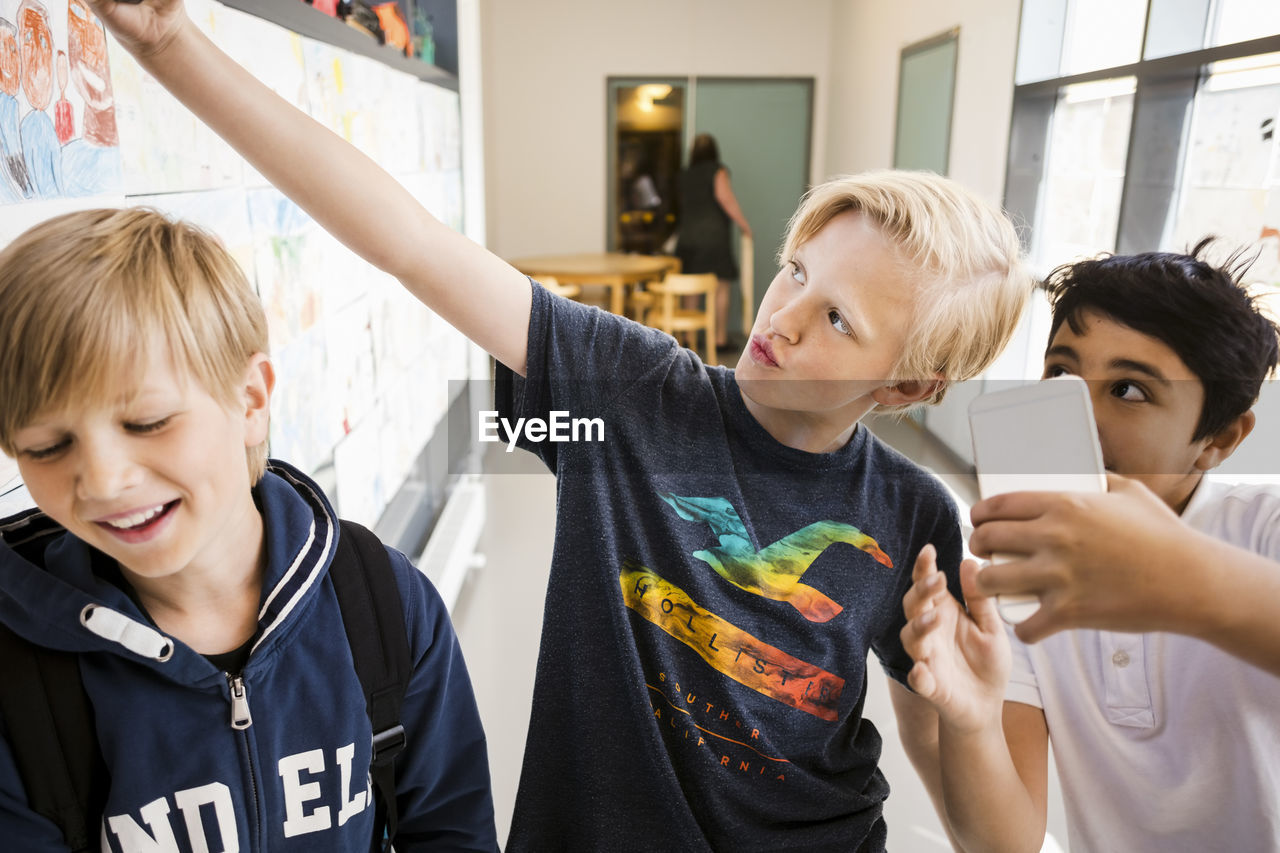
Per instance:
(868,37)
(545,70)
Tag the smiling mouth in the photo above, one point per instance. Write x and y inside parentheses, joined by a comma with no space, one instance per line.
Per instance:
(140,520)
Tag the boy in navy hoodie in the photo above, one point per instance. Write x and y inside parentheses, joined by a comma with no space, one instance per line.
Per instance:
(190,575)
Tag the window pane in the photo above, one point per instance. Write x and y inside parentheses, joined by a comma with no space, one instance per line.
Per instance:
(1040,40)
(1231,181)
(1088,143)
(1242,20)
(1102,34)
(1176,26)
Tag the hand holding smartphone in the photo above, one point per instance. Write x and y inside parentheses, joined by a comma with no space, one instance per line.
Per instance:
(1037,437)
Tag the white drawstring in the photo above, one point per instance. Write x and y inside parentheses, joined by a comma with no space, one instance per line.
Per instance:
(133,635)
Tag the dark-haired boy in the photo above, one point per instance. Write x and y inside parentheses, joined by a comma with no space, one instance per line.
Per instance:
(1164,740)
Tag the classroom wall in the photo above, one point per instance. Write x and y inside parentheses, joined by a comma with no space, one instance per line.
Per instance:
(545,67)
(867,39)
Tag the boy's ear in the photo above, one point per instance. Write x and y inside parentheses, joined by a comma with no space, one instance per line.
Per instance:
(259,380)
(907,392)
(1225,442)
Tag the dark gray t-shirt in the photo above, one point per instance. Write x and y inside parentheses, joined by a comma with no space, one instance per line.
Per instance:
(713,598)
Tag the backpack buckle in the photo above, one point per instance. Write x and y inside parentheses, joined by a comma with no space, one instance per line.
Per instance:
(388,743)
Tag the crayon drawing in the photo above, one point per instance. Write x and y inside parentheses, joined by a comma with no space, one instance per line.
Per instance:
(58,134)
(166,148)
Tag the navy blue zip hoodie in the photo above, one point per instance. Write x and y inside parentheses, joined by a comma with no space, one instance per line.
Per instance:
(183,777)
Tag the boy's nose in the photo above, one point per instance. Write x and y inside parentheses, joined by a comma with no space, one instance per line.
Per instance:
(105,471)
(785,321)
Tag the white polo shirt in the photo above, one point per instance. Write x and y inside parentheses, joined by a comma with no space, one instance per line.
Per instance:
(1163,742)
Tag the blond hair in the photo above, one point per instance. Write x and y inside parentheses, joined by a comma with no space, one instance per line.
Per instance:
(84,296)
(961,253)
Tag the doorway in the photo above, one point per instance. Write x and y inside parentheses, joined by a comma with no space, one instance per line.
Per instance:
(648,127)
(763,127)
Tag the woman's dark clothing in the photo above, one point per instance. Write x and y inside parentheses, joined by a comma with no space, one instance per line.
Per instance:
(703,245)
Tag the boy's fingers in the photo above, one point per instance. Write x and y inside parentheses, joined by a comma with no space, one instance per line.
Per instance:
(1006,537)
(926,562)
(1015,577)
(982,608)
(923,595)
(1041,624)
(1012,506)
(921,680)
(915,634)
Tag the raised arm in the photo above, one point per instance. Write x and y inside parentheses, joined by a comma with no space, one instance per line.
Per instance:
(342,189)
(992,755)
(1122,561)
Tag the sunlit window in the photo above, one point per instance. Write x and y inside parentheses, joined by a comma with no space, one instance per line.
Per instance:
(1243,20)
(1102,34)
(1059,38)
(1089,139)
(1231,182)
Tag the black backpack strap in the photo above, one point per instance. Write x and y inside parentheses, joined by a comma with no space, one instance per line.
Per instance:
(50,726)
(373,615)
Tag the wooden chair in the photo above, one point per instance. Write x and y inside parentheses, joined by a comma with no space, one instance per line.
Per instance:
(568,291)
(640,300)
(668,315)
(746,281)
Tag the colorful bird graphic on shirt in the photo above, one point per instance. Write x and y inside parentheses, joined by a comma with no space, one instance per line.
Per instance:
(775,571)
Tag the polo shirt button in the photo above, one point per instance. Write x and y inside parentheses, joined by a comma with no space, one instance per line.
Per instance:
(1120,659)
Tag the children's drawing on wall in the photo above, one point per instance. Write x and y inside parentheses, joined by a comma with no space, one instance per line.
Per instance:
(13,173)
(57,115)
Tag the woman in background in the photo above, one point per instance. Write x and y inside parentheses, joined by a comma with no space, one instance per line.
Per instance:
(707,205)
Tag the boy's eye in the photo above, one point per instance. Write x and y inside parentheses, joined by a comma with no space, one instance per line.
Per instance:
(838,322)
(1130,391)
(1055,370)
(796,272)
(149,426)
(47,452)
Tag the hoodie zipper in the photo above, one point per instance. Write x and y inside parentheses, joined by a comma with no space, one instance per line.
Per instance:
(241,720)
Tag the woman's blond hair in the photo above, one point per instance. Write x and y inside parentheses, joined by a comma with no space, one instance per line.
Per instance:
(84,296)
(962,255)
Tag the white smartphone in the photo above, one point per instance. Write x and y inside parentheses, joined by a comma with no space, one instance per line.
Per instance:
(1037,437)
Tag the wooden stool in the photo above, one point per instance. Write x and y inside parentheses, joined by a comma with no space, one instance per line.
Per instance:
(668,316)
(568,291)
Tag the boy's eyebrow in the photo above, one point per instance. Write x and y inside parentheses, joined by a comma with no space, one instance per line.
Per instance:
(1126,364)
(1061,351)
(1140,367)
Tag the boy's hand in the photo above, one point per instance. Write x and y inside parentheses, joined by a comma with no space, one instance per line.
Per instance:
(1106,561)
(144,27)
(962,659)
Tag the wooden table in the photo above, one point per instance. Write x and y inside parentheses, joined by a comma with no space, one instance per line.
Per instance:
(614,270)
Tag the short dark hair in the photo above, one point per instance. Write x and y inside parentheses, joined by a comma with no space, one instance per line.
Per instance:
(1201,311)
(704,148)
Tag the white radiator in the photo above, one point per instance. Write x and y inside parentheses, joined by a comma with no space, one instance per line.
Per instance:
(451,549)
